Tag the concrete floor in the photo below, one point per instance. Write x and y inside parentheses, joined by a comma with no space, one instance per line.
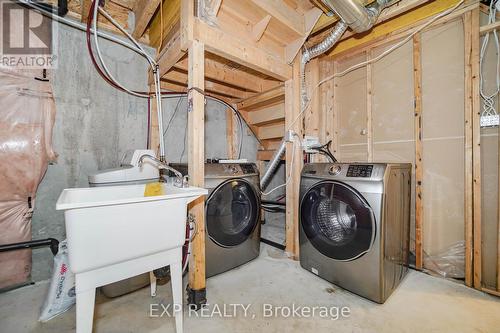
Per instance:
(421,304)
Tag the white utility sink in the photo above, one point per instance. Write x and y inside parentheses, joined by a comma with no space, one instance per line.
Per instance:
(116,232)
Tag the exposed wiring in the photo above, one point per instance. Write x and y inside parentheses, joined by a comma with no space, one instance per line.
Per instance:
(325,150)
(373,60)
(172,117)
(489,99)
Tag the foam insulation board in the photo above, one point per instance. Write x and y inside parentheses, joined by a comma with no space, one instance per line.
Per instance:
(392,112)
(443,136)
(489,204)
(489,175)
(351,101)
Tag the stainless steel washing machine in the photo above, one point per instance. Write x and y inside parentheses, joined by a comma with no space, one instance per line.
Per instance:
(232,215)
(355,225)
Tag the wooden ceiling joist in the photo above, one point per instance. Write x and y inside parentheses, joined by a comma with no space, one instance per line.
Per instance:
(143,11)
(266,98)
(218,72)
(234,49)
(181,77)
(280,11)
(259,28)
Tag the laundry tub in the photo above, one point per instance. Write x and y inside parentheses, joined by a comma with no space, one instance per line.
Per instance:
(116,233)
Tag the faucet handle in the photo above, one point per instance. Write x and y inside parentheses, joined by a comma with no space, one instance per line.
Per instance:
(181,182)
(185,181)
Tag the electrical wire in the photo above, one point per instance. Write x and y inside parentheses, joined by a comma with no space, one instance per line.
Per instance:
(489,99)
(377,58)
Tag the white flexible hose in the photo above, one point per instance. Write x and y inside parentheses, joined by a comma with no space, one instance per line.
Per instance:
(76,25)
(101,60)
(489,99)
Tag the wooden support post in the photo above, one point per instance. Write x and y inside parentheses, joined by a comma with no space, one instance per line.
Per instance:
(369,108)
(476,147)
(196,169)
(468,196)
(312,116)
(419,166)
(154,135)
(230,134)
(472,199)
(336,113)
(293,168)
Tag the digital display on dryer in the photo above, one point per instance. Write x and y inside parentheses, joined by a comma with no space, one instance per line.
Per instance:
(360,170)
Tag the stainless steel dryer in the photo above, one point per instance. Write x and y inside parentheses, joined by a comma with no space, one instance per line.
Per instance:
(355,225)
(232,215)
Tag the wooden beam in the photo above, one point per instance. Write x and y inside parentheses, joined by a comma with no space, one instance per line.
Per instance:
(170,55)
(85,8)
(181,77)
(271,114)
(165,23)
(419,164)
(369,106)
(154,135)
(196,162)
(312,115)
(259,28)
(143,12)
(271,132)
(265,155)
(310,19)
(231,153)
(280,11)
(218,72)
(177,87)
(265,98)
(234,49)
(468,132)
(489,27)
(187,23)
(476,147)
(293,168)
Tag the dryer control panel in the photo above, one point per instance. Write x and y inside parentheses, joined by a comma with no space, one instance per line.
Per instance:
(360,170)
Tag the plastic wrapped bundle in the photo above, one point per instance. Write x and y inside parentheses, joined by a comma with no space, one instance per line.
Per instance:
(26,120)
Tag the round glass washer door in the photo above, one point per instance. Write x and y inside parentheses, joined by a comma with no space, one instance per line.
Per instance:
(337,220)
(232,212)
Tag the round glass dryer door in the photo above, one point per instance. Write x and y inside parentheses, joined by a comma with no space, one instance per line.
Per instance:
(232,212)
(337,220)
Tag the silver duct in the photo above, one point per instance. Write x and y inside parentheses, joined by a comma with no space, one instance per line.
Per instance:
(352,14)
(358,17)
(273,164)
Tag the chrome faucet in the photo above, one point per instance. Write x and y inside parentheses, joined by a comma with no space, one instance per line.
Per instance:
(180,180)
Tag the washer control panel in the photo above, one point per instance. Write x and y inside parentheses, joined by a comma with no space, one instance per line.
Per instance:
(360,170)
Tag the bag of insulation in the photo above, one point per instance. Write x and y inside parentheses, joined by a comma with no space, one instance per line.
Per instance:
(61,295)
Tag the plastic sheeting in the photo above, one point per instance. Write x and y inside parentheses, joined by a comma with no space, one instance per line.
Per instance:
(449,263)
(26,119)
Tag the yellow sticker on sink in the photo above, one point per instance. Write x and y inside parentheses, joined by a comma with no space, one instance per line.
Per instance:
(153,189)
